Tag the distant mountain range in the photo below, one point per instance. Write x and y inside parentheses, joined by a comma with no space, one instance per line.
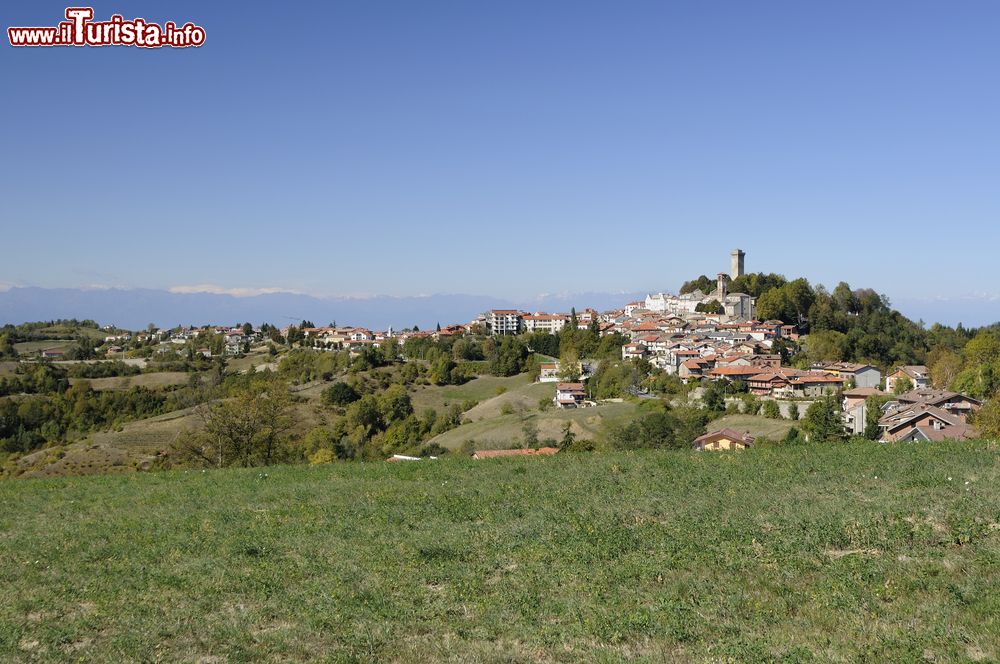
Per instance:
(136,308)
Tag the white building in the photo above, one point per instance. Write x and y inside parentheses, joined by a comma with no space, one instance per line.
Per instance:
(504,321)
(543,322)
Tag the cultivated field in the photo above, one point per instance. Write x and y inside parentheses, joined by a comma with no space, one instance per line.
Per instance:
(851,553)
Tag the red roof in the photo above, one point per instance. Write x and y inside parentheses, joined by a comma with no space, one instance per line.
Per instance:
(492,454)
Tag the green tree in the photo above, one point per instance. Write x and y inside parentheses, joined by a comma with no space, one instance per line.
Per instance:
(710,307)
(873,413)
(247,429)
(714,397)
(340,394)
(987,420)
(944,366)
(530,430)
(569,366)
(822,421)
(568,438)
(771,410)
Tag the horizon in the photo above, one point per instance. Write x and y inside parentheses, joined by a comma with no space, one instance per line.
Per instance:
(390,166)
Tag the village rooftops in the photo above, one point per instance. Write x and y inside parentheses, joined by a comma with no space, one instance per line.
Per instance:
(933,397)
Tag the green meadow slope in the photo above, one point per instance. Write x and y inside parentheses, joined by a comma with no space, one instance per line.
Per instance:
(850,553)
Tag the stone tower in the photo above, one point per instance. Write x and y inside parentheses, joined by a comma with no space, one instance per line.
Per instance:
(736,270)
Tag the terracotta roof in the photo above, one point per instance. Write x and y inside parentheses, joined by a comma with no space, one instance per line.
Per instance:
(735,371)
(492,454)
(731,434)
(569,387)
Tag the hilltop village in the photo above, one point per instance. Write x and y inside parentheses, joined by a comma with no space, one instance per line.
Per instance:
(705,347)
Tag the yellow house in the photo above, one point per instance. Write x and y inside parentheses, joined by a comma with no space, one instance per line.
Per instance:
(723,439)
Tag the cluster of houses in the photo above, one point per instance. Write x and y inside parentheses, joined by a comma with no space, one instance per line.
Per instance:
(922,413)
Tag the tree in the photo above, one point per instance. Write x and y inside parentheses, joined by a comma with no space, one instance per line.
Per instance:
(902,385)
(507,356)
(395,404)
(714,397)
(711,307)
(340,394)
(771,410)
(944,366)
(389,350)
(793,411)
(822,421)
(984,348)
(569,438)
(365,415)
(530,431)
(569,366)
(987,420)
(247,429)
(873,413)
(247,329)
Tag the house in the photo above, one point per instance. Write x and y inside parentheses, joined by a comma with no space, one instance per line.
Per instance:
(918,376)
(734,372)
(53,353)
(863,375)
(932,423)
(548,372)
(855,410)
(692,369)
(723,439)
(810,384)
(569,395)
(953,403)
(633,351)
(493,454)
(504,321)
(930,434)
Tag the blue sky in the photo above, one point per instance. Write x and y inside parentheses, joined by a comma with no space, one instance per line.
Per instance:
(509,149)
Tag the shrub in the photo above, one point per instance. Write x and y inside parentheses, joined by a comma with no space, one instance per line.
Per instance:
(321,456)
(771,410)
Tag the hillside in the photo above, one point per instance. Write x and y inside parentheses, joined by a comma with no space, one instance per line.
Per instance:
(847,553)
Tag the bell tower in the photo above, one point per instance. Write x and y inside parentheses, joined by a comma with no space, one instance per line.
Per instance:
(736,266)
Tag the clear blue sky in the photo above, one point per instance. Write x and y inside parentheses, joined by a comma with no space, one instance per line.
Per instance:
(509,148)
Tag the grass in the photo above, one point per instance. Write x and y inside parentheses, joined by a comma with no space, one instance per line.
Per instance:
(149,380)
(848,553)
(504,431)
(755,424)
(32,347)
(477,389)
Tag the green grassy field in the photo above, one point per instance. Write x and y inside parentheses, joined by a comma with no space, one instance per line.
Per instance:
(149,380)
(850,553)
(477,389)
(755,424)
(498,431)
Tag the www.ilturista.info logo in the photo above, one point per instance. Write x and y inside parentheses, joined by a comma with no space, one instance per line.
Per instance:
(79,29)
